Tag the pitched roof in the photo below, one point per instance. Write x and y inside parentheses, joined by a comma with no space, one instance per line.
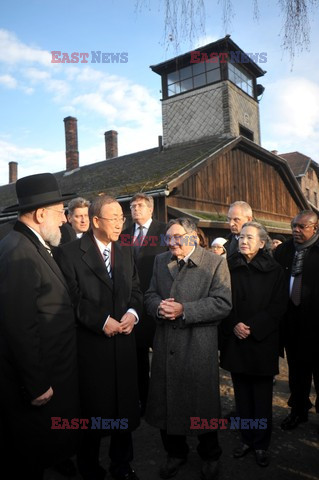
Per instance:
(146,171)
(298,162)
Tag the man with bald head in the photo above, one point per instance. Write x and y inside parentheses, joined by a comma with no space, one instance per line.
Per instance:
(300,260)
(239,213)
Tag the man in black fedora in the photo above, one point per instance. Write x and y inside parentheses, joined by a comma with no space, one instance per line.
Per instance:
(38,367)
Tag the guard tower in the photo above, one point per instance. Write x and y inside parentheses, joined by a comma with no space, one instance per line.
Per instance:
(212,90)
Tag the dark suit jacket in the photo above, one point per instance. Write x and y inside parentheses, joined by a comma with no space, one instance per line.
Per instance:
(68,233)
(37,345)
(107,366)
(231,245)
(154,245)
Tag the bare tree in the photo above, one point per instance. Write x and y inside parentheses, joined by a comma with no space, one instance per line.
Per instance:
(185,20)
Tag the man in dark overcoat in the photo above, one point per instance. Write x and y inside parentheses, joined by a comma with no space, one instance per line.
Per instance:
(38,361)
(299,257)
(146,245)
(188,297)
(104,284)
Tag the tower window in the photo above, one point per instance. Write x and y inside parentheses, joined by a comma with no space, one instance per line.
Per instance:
(194,76)
(241,79)
(245,132)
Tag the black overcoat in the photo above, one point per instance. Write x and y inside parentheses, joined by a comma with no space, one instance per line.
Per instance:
(107,366)
(37,347)
(153,245)
(259,300)
(301,326)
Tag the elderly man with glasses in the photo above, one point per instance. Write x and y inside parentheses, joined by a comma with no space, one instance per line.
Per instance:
(300,259)
(188,296)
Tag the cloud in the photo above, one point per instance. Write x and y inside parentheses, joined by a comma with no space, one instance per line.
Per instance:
(291,119)
(101,101)
(30,160)
(296,106)
(8,81)
(12,51)
(95,103)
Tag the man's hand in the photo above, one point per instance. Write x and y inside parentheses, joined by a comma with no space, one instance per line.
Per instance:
(112,327)
(170,309)
(43,399)
(127,322)
(241,330)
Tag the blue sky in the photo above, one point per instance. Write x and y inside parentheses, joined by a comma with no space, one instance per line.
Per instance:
(36,94)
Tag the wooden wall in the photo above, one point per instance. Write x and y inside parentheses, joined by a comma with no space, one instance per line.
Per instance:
(237,176)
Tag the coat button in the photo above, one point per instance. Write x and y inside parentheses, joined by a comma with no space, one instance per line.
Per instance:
(172,352)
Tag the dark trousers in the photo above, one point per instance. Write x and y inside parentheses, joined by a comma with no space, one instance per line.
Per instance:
(176,445)
(303,364)
(15,457)
(143,375)
(253,396)
(120,453)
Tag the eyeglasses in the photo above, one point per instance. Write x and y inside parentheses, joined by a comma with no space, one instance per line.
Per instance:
(61,212)
(302,226)
(114,221)
(179,240)
(215,247)
(137,205)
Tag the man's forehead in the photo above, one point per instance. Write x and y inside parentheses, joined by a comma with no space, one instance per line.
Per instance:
(176,229)
(306,218)
(140,201)
(236,212)
(78,210)
(114,206)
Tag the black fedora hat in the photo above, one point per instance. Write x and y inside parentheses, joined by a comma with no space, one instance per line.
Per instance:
(37,191)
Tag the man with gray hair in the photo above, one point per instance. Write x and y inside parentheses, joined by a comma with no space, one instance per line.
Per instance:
(188,297)
(239,213)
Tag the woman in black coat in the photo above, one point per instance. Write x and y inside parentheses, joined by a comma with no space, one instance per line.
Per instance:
(250,337)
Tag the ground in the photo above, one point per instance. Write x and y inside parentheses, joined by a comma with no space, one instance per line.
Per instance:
(294,454)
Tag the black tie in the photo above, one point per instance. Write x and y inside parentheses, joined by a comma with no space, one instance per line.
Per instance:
(181,263)
(296,290)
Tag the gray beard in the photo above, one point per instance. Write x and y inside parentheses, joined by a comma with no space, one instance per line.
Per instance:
(53,238)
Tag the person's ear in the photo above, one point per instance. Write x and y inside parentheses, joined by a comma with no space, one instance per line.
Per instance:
(40,215)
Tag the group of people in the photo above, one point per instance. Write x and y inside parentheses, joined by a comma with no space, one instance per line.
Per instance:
(78,319)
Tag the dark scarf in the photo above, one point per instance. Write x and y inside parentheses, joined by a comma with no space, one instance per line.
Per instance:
(300,254)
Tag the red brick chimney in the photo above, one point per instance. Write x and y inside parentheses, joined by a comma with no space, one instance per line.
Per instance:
(71,143)
(111,144)
(13,172)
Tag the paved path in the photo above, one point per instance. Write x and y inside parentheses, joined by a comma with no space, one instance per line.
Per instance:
(294,454)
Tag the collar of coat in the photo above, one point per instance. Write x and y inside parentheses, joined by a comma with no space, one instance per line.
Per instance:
(194,259)
(263,261)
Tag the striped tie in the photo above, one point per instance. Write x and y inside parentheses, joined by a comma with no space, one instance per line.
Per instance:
(138,241)
(106,256)
(48,249)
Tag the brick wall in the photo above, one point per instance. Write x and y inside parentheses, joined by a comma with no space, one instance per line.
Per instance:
(212,110)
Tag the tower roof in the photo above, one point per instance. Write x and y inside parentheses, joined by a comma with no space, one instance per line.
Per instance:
(223,45)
